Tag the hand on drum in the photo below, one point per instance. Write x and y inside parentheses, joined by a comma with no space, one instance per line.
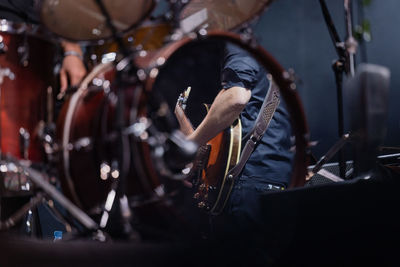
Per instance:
(72,70)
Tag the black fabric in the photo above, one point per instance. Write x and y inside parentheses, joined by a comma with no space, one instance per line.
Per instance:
(342,224)
(19,11)
(269,165)
(271,162)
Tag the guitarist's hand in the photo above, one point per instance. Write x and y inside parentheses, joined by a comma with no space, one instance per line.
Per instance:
(184,122)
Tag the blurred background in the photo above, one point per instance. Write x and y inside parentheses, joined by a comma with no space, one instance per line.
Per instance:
(296,34)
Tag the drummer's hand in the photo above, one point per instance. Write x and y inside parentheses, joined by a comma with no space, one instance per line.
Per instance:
(72,68)
(184,122)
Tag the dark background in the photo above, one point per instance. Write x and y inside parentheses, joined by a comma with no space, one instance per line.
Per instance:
(295,33)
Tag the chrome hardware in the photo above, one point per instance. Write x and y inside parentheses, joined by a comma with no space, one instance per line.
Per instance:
(115,169)
(24,142)
(202,187)
(105,170)
(6,72)
(3,46)
(23,52)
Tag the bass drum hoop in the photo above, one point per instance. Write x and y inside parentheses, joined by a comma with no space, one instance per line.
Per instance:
(153,64)
(67,126)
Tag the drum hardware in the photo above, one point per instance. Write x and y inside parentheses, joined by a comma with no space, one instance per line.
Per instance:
(38,179)
(24,138)
(344,64)
(23,52)
(19,215)
(3,46)
(176,7)
(111,26)
(6,72)
(15,182)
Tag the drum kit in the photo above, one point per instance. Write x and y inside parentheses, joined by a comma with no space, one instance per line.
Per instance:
(113,148)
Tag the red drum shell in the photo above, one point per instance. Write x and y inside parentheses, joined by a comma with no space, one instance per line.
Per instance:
(24,88)
(90,113)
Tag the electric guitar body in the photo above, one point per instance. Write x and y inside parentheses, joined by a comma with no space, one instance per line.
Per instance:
(213,162)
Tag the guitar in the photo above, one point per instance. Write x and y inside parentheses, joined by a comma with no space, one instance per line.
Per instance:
(212,163)
(217,157)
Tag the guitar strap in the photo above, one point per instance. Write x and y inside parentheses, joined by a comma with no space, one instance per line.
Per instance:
(270,104)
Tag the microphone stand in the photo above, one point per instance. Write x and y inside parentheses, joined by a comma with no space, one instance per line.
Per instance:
(344,64)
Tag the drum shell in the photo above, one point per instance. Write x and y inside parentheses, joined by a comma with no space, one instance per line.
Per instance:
(24,98)
(93,117)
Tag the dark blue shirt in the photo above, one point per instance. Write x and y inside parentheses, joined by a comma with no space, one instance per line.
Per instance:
(271,161)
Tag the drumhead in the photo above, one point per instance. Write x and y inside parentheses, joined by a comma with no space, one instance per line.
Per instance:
(83,20)
(194,61)
(221,15)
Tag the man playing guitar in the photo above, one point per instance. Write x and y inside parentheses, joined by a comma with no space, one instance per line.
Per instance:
(244,85)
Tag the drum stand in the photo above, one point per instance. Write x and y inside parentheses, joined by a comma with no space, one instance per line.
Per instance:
(49,190)
(345,63)
(125,76)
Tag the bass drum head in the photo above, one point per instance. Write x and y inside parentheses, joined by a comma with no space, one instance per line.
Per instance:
(196,62)
(83,20)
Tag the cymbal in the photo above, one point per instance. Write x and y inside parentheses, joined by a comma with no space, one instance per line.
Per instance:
(223,15)
(82,20)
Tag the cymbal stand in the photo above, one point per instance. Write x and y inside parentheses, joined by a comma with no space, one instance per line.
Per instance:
(344,64)
(176,7)
(19,214)
(125,76)
(49,192)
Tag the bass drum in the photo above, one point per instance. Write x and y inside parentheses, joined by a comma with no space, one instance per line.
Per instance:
(92,154)
(196,61)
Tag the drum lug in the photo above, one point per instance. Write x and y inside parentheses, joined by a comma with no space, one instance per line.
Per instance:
(6,72)
(3,46)
(24,142)
(23,52)
(291,77)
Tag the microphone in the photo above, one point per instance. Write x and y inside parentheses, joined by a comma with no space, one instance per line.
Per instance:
(367,93)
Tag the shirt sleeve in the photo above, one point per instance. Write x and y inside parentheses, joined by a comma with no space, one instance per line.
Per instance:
(239,68)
